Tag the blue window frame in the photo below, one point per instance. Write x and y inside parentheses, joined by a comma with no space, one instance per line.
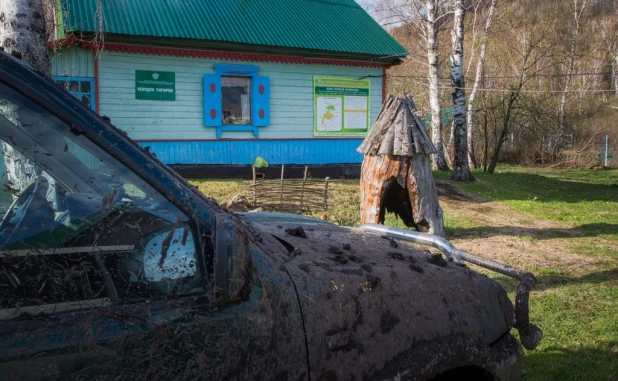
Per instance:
(81,88)
(236,99)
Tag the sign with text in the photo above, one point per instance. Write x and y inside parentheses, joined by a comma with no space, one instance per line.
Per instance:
(155,85)
(341,106)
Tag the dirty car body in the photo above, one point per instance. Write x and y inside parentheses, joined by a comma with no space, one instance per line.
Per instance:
(112,265)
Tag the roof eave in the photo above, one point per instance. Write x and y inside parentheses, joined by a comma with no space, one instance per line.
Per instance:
(227,46)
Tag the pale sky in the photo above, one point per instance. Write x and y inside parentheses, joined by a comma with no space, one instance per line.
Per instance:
(369,6)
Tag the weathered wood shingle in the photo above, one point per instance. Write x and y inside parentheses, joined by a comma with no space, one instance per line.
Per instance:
(397,131)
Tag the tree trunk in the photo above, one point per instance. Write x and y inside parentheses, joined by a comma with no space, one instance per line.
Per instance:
(494,158)
(577,14)
(431,25)
(461,170)
(505,130)
(448,155)
(502,137)
(22,34)
(565,93)
(485,141)
(401,185)
(477,80)
(615,67)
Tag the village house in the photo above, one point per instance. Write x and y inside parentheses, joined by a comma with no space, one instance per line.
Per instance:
(221,82)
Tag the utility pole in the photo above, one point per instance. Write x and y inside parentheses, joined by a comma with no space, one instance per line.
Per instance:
(606,147)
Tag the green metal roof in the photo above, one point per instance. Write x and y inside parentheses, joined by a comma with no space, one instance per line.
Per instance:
(316,25)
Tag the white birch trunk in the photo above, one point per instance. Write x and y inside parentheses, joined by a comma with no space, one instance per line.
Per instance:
(615,67)
(577,14)
(448,155)
(461,170)
(22,34)
(431,25)
(480,66)
(472,48)
(567,88)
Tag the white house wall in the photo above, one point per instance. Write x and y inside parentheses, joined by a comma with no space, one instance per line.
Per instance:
(175,129)
(72,62)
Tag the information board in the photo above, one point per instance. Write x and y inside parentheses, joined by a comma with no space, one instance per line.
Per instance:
(155,85)
(341,106)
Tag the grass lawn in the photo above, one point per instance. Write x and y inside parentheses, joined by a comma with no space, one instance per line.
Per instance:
(562,225)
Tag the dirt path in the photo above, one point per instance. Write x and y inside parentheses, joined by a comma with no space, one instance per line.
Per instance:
(493,230)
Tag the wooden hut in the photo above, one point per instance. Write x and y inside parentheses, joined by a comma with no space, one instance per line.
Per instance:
(396,172)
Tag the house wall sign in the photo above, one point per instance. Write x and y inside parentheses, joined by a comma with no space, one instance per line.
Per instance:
(155,85)
(341,106)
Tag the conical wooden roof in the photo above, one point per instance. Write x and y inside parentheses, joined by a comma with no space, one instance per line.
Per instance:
(397,131)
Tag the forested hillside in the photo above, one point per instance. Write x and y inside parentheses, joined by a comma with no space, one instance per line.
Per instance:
(548,90)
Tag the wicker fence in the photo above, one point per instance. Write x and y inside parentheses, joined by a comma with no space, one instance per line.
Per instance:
(289,195)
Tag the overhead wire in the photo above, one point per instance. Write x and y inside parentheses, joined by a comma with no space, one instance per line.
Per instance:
(446,84)
(494,89)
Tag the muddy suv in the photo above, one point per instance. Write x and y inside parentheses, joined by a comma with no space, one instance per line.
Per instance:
(114,267)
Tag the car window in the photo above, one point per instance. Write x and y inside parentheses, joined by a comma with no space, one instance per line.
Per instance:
(78,228)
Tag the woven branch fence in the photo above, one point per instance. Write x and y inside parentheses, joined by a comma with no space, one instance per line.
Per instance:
(289,195)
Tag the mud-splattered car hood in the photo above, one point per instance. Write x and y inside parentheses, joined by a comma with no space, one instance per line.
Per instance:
(378,298)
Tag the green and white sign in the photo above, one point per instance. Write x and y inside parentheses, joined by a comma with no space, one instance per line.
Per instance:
(341,106)
(155,85)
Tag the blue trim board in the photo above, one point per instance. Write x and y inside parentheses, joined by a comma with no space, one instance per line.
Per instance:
(243,152)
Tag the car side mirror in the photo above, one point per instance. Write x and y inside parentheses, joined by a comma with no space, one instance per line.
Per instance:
(232,263)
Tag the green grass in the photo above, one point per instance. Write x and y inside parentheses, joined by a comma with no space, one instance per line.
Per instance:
(585,199)
(580,326)
(578,313)
(577,309)
(600,249)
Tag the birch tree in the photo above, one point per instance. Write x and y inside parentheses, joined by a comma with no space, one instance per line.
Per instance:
(480,66)
(432,28)
(22,34)
(429,17)
(613,46)
(475,4)
(614,58)
(606,27)
(526,60)
(579,6)
(461,170)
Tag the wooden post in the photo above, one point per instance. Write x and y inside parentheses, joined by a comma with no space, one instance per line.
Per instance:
(281,195)
(326,195)
(302,191)
(254,188)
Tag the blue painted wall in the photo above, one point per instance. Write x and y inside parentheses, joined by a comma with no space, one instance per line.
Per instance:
(291,111)
(237,152)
